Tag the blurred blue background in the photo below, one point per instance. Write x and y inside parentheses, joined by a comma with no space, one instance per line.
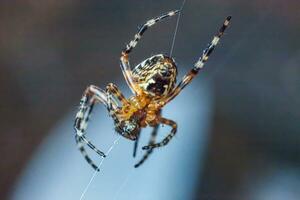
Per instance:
(238,134)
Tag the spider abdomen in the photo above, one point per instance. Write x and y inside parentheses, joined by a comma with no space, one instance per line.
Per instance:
(156,76)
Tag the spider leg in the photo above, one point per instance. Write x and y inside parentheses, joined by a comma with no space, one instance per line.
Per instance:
(149,151)
(81,148)
(136,145)
(167,139)
(113,94)
(125,66)
(200,63)
(114,90)
(91,96)
(144,27)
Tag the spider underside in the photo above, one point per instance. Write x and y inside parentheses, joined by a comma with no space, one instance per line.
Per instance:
(153,84)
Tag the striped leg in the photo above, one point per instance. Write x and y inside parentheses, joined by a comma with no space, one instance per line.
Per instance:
(114,92)
(123,127)
(81,148)
(200,63)
(149,151)
(114,95)
(91,96)
(136,142)
(124,57)
(167,139)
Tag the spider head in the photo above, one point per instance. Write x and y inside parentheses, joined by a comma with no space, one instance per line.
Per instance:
(156,75)
(128,129)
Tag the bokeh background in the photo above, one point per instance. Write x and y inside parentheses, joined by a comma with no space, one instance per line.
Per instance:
(51,50)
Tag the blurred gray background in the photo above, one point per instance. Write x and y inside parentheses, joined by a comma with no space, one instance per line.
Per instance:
(51,50)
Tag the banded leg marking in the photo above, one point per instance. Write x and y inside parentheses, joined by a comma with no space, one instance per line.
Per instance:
(91,96)
(211,46)
(124,62)
(136,142)
(143,28)
(114,90)
(200,63)
(167,139)
(113,94)
(149,151)
(84,153)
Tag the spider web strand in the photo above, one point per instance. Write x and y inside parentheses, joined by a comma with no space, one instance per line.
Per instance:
(176,28)
(96,172)
(123,184)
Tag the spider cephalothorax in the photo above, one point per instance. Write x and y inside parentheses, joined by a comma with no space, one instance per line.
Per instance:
(153,83)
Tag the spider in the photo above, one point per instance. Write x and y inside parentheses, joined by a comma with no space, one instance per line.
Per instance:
(153,84)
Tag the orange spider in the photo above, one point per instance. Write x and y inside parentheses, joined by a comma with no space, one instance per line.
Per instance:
(153,85)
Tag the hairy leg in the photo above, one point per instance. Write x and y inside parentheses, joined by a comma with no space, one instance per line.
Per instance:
(167,139)
(91,96)
(136,142)
(125,66)
(199,64)
(148,152)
